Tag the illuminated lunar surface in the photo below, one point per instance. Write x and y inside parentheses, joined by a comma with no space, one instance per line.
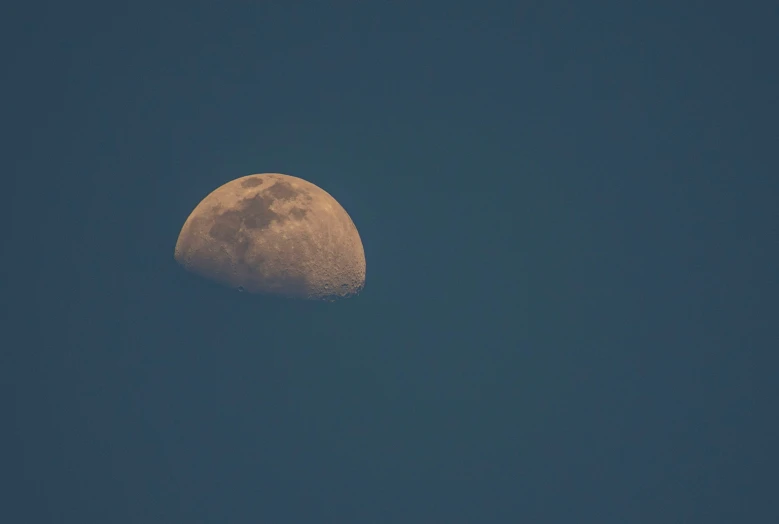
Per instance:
(274,234)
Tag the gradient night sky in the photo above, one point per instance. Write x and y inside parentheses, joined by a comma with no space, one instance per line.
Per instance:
(569,213)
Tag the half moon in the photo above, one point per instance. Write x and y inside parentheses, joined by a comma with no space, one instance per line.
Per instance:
(274,234)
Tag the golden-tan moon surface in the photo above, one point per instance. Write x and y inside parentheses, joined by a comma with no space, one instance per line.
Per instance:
(274,234)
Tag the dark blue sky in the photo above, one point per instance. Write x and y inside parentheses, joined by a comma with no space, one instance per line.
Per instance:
(569,213)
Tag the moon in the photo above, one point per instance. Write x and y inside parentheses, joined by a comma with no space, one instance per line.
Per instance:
(274,234)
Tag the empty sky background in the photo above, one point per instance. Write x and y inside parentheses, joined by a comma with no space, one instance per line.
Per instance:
(569,213)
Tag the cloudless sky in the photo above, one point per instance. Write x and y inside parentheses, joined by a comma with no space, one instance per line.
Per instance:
(569,213)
